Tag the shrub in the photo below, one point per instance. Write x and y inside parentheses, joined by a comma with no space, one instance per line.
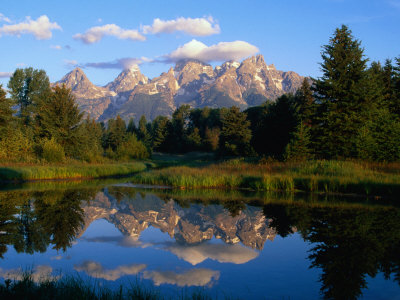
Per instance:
(52,151)
(131,149)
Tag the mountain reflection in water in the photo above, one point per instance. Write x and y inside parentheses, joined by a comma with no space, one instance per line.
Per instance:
(349,243)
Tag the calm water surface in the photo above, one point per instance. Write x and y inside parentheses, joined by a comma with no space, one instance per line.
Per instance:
(273,247)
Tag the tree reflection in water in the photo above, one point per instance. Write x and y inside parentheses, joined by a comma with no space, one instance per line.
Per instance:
(349,241)
(31,221)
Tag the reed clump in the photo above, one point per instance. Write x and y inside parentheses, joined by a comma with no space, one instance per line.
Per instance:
(73,171)
(320,176)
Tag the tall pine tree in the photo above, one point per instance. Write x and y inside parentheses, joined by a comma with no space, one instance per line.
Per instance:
(340,94)
(235,134)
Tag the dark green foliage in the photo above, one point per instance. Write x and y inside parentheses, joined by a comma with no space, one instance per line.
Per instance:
(15,145)
(160,128)
(28,87)
(304,100)
(58,117)
(273,125)
(235,134)
(340,93)
(379,138)
(91,149)
(131,126)
(298,148)
(395,99)
(115,134)
(6,111)
(194,141)
(143,132)
(349,244)
(179,126)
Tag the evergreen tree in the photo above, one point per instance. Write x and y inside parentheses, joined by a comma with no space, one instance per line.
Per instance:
(388,81)
(276,124)
(27,88)
(179,126)
(305,101)
(59,117)
(131,126)
(91,149)
(143,132)
(194,140)
(379,137)
(160,130)
(235,134)
(395,100)
(340,93)
(6,111)
(116,133)
(298,148)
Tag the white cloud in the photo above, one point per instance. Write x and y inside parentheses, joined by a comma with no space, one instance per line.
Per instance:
(5,74)
(96,270)
(40,28)
(222,253)
(195,27)
(223,51)
(3,18)
(195,277)
(95,34)
(122,63)
(56,47)
(71,63)
(41,272)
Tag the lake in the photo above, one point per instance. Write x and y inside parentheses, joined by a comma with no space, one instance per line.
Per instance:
(227,244)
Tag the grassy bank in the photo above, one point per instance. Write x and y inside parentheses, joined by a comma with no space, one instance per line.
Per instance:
(75,288)
(73,171)
(316,176)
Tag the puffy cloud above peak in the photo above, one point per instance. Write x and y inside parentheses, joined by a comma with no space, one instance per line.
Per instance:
(41,28)
(222,51)
(195,27)
(121,63)
(71,63)
(95,34)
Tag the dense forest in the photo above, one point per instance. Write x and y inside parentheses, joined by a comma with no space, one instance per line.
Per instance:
(351,111)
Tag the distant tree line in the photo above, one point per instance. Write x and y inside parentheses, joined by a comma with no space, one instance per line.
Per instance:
(351,111)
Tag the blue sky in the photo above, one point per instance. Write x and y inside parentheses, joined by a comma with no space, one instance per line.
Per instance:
(105,36)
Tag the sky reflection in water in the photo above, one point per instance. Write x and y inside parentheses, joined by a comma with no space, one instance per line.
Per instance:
(295,249)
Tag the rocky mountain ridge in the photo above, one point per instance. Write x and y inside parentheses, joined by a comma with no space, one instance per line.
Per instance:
(192,82)
(188,226)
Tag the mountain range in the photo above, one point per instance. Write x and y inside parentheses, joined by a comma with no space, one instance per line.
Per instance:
(192,82)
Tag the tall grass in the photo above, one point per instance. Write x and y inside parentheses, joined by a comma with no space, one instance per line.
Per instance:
(315,176)
(42,172)
(69,287)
